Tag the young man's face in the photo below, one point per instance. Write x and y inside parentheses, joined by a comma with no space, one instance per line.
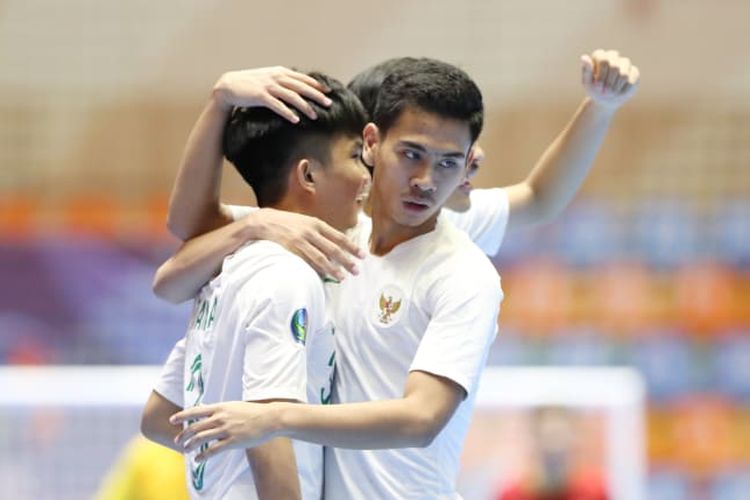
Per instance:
(419,162)
(460,201)
(342,184)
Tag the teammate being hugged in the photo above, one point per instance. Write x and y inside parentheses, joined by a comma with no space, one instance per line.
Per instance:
(259,330)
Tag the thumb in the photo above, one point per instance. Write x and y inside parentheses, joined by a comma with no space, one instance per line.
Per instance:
(587,70)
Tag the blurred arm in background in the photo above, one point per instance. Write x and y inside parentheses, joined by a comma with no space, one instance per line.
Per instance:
(610,80)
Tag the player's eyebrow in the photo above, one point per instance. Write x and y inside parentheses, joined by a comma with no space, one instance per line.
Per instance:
(417,146)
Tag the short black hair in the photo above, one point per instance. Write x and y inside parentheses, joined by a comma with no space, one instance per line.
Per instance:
(433,86)
(263,146)
(366,85)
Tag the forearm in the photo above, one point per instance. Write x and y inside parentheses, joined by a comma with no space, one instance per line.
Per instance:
(194,206)
(398,423)
(200,259)
(564,165)
(155,423)
(275,470)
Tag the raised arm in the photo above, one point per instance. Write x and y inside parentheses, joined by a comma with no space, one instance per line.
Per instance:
(195,209)
(194,206)
(411,421)
(610,80)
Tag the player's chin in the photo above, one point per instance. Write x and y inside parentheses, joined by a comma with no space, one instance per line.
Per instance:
(348,220)
(412,218)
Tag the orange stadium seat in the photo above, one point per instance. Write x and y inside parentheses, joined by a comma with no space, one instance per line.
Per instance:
(704,298)
(538,297)
(91,215)
(16,216)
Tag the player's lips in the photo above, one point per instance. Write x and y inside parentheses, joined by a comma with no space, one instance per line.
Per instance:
(416,205)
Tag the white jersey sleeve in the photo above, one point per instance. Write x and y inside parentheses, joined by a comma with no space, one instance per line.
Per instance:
(240,211)
(170,383)
(485,222)
(462,328)
(275,336)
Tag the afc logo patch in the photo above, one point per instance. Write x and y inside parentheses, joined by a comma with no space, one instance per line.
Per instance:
(298,326)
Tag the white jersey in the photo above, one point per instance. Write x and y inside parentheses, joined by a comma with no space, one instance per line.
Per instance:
(430,305)
(485,222)
(258,331)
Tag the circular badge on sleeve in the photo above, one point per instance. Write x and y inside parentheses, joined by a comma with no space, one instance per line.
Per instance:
(299,325)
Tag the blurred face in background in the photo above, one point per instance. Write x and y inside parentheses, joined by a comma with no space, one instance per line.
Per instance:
(460,201)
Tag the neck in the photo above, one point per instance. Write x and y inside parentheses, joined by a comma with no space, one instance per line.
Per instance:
(388,233)
(288,204)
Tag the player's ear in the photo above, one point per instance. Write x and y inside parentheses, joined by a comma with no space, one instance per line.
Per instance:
(370,143)
(304,174)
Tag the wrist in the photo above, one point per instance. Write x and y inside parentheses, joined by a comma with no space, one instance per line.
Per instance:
(279,423)
(601,110)
(220,94)
(253,227)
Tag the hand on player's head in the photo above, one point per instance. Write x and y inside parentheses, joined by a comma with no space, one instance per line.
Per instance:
(609,78)
(277,88)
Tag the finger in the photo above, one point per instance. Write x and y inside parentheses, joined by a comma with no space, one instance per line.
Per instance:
(613,61)
(212,450)
(597,57)
(624,67)
(634,76)
(318,261)
(191,414)
(336,254)
(302,88)
(624,64)
(306,79)
(613,75)
(619,85)
(340,239)
(198,427)
(587,70)
(204,437)
(281,109)
(602,73)
(294,99)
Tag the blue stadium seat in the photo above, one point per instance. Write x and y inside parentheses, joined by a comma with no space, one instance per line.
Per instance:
(733,485)
(580,346)
(731,232)
(732,365)
(665,233)
(589,233)
(666,362)
(668,485)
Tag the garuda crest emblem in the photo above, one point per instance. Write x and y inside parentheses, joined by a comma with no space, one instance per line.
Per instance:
(389,307)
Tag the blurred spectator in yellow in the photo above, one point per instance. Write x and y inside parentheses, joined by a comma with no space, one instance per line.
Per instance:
(145,471)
